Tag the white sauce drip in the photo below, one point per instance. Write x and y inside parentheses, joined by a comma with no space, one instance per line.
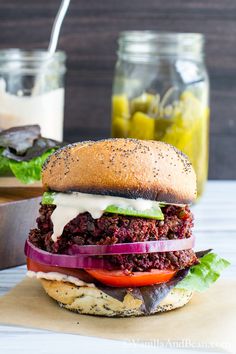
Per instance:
(70,205)
(59,277)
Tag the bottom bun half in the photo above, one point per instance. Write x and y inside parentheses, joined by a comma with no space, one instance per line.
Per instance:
(93,301)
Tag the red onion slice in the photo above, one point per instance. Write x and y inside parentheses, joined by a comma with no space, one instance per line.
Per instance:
(82,256)
(62,260)
(133,248)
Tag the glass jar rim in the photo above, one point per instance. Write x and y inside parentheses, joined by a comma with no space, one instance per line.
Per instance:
(146,43)
(161,36)
(31,62)
(38,55)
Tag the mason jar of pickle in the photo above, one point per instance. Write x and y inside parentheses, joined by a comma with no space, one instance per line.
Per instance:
(161,92)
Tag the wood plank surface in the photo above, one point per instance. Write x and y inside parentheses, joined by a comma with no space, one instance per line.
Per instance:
(13,194)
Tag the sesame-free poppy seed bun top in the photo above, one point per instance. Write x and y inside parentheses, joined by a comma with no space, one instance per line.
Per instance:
(122,167)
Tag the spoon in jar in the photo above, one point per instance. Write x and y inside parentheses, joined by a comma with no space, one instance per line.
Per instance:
(57,26)
(52,43)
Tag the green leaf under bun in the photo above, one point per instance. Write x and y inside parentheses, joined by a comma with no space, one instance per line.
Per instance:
(202,275)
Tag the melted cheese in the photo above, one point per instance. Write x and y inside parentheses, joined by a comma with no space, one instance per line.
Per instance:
(59,277)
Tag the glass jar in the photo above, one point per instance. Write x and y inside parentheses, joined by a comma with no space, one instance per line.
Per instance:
(32,90)
(161,92)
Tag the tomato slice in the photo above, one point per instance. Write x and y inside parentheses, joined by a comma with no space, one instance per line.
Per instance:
(117,278)
(77,273)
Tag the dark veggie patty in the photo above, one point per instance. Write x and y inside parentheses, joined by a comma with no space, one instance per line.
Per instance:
(113,228)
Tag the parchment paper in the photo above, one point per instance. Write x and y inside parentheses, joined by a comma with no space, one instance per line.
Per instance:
(208,321)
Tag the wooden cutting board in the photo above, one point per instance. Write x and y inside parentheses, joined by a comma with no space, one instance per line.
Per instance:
(19,207)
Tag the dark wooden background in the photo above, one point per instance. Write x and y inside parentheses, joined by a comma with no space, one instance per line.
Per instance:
(89,37)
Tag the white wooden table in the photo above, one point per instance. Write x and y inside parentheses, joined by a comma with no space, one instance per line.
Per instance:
(215,227)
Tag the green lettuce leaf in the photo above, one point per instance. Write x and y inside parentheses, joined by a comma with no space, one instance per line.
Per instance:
(48,198)
(202,275)
(5,169)
(25,171)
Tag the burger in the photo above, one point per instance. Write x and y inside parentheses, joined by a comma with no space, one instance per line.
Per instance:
(114,233)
